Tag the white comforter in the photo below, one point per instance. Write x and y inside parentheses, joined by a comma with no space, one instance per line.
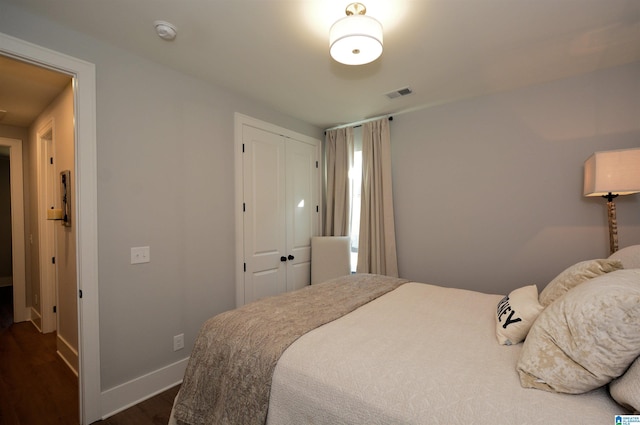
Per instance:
(421,354)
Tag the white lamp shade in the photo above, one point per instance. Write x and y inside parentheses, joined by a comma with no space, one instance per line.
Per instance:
(616,172)
(355,40)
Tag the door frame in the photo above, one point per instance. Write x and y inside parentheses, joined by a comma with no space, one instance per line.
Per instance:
(20,310)
(239,121)
(84,84)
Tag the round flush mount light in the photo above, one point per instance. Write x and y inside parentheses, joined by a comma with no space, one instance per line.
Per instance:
(165,30)
(357,38)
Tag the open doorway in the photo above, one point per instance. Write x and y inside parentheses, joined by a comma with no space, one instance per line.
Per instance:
(12,249)
(6,231)
(84,211)
(38,103)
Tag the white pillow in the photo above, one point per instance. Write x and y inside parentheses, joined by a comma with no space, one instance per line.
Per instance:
(630,256)
(626,389)
(575,275)
(516,313)
(586,338)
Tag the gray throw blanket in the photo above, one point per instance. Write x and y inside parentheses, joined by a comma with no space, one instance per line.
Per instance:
(228,378)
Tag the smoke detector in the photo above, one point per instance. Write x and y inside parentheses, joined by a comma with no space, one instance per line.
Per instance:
(165,30)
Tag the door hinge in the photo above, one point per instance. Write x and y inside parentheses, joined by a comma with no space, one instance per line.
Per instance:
(244,207)
(243,148)
(316,164)
(53,260)
(55,308)
(51,160)
(245,267)
(317,208)
(80,293)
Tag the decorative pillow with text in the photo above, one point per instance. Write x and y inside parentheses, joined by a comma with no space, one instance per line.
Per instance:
(516,313)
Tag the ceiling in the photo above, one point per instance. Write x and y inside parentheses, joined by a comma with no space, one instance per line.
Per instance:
(26,90)
(276,51)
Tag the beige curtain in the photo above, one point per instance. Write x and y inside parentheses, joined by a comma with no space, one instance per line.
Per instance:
(338,162)
(377,244)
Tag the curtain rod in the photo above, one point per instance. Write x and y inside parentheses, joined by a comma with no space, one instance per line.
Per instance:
(358,123)
(400,112)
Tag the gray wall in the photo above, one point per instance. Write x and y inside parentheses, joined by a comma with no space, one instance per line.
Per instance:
(165,179)
(488,191)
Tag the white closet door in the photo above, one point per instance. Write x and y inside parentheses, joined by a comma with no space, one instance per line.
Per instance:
(301,204)
(280,193)
(264,217)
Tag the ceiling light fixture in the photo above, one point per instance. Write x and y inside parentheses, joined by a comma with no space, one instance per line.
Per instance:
(355,39)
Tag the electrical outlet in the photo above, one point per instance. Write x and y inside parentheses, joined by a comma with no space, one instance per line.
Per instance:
(140,254)
(178,342)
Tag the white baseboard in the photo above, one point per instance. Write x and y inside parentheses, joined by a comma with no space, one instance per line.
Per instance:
(67,353)
(130,393)
(36,319)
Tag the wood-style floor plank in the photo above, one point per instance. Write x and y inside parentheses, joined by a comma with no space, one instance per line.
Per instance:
(38,388)
(155,411)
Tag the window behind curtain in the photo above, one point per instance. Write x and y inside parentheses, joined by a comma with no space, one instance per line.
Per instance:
(355,179)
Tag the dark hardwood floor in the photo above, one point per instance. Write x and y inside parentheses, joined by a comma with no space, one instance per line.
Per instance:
(154,411)
(6,306)
(37,387)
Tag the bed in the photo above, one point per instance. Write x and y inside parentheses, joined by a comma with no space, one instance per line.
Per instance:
(415,353)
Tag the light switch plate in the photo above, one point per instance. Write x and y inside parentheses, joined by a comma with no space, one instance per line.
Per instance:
(140,254)
(178,342)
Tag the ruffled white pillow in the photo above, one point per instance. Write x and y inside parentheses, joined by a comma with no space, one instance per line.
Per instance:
(629,256)
(586,338)
(575,275)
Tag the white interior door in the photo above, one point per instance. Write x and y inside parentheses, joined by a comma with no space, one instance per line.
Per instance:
(280,212)
(301,210)
(264,216)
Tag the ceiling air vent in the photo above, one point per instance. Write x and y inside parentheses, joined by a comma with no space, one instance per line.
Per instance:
(400,92)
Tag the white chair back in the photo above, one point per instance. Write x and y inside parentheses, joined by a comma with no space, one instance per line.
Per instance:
(330,257)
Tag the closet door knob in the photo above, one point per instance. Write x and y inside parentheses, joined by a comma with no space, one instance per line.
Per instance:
(283,259)
(290,257)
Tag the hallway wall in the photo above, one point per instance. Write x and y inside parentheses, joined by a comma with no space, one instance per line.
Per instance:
(60,114)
